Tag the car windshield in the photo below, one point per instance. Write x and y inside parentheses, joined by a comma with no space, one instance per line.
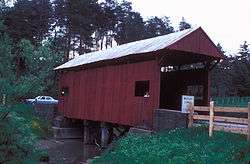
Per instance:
(48,98)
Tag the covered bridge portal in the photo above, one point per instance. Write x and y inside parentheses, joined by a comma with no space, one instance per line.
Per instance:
(125,84)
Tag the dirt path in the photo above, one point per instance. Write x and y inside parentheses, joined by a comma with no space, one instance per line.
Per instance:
(70,151)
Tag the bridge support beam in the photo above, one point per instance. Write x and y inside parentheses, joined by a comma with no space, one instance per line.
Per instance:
(86,132)
(104,135)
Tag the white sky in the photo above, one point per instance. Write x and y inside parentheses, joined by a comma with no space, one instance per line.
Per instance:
(225,21)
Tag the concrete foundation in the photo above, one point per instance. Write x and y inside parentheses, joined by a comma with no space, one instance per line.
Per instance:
(67,133)
(169,119)
(86,132)
(66,128)
(140,131)
(47,112)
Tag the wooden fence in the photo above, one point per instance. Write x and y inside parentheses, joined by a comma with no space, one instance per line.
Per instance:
(227,123)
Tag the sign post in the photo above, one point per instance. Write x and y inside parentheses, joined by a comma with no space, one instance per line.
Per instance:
(185,102)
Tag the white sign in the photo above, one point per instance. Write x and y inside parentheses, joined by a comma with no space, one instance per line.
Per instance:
(185,101)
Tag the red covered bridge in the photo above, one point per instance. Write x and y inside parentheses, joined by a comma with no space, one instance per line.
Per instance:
(127,83)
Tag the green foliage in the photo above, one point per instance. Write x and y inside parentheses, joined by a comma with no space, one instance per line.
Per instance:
(231,101)
(231,77)
(31,77)
(180,146)
(158,26)
(130,28)
(183,25)
(80,25)
(19,132)
(29,19)
(241,71)
(39,65)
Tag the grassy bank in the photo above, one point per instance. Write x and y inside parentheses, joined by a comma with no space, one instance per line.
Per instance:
(180,146)
(19,132)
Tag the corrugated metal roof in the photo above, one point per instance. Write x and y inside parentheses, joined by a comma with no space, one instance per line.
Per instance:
(138,47)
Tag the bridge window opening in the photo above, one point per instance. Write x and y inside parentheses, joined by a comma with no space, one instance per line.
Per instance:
(65,91)
(141,88)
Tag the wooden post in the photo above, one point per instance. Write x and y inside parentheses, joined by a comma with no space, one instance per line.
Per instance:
(190,115)
(104,135)
(211,118)
(248,131)
(86,132)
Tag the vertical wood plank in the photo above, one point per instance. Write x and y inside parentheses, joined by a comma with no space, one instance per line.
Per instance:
(211,118)
(248,132)
(190,115)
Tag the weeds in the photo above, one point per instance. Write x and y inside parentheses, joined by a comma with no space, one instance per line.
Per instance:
(19,132)
(180,146)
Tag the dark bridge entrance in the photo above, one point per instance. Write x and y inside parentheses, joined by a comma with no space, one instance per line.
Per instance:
(175,83)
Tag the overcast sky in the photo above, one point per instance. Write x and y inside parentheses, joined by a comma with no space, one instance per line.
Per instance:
(225,21)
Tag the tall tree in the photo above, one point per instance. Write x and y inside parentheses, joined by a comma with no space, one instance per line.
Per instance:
(241,71)
(36,76)
(107,21)
(76,20)
(184,25)
(231,77)
(222,76)
(130,29)
(6,64)
(219,46)
(29,19)
(158,26)
(244,51)
(130,25)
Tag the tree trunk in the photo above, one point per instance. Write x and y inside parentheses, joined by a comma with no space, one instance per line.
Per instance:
(80,47)
(18,68)
(66,57)
(102,42)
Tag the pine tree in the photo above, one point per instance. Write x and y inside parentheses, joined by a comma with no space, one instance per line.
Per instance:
(76,20)
(241,71)
(29,19)
(158,26)
(130,28)
(184,25)
(106,23)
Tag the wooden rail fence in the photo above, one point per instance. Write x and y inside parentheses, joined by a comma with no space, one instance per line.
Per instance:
(230,123)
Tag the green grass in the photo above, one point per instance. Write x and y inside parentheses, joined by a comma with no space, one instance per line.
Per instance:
(179,146)
(19,133)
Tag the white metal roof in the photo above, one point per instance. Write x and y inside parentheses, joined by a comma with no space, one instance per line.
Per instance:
(137,47)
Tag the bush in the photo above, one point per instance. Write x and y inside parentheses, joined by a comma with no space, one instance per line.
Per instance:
(19,132)
(180,146)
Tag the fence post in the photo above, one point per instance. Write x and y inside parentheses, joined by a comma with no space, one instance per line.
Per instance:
(211,118)
(190,115)
(248,131)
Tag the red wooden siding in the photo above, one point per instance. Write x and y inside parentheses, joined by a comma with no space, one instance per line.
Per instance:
(197,42)
(107,93)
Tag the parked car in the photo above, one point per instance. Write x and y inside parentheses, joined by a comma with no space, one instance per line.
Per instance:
(42,100)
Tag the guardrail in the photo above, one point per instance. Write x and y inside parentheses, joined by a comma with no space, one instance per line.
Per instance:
(226,123)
